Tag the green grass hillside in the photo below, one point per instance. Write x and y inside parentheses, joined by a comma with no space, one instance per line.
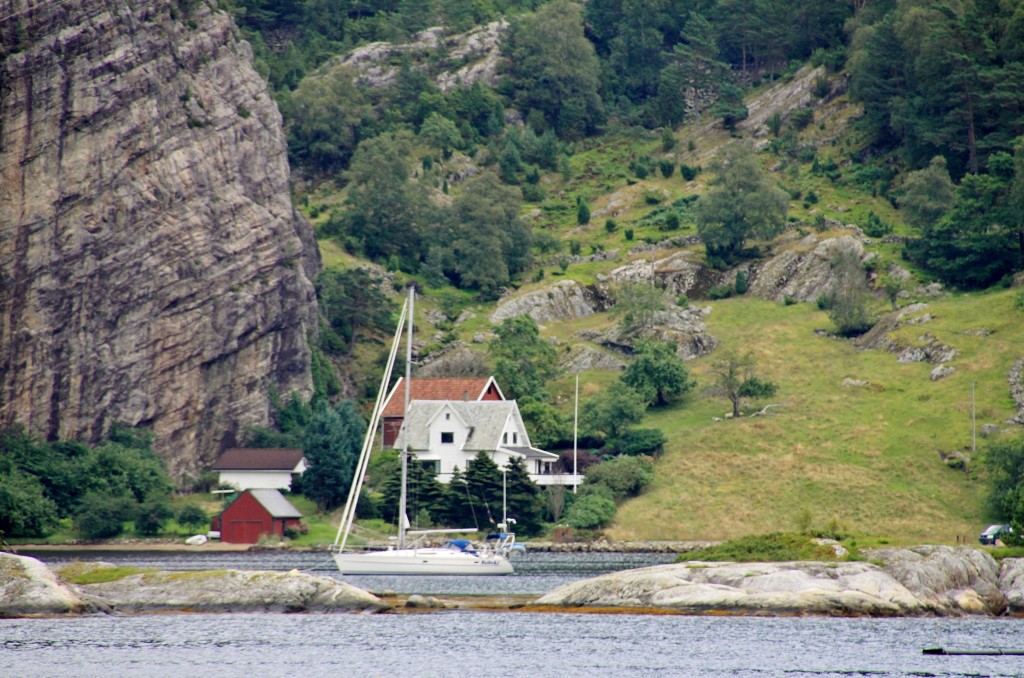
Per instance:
(863,458)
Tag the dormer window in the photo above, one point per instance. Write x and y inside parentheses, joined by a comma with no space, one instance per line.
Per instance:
(447,437)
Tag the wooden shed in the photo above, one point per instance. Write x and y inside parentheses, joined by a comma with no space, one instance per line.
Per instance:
(256,513)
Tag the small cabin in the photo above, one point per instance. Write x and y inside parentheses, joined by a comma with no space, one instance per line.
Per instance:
(249,468)
(256,513)
(462,390)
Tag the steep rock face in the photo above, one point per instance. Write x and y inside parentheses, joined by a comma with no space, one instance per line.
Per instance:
(152,268)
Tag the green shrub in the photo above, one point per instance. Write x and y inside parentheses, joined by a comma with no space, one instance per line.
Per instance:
(628,233)
(193,516)
(875,227)
(802,118)
(101,515)
(624,476)
(653,197)
(721,292)
(741,282)
(151,516)
(634,442)
(671,222)
(610,225)
(774,547)
(682,301)
(1019,301)
(668,140)
(590,511)
(582,213)
(688,173)
(667,168)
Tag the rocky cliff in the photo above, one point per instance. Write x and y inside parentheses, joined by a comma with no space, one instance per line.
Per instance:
(153,270)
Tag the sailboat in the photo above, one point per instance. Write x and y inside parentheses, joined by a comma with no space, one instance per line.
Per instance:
(456,556)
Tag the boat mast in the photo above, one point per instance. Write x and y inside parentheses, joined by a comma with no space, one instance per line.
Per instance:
(348,515)
(405,422)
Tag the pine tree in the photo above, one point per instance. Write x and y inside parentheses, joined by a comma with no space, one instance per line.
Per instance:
(524,500)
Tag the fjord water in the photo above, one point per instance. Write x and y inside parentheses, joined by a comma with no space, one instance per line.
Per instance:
(460,643)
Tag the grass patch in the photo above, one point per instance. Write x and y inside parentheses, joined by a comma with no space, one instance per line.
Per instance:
(86,573)
(774,547)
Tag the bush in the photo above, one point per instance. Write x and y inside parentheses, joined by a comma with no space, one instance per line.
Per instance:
(775,547)
(1019,301)
(532,192)
(802,118)
(721,292)
(151,516)
(682,301)
(649,441)
(741,282)
(667,168)
(628,233)
(582,213)
(671,222)
(610,225)
(688,173)
(590,511)
(624,476)
(101,515)
(875,227)
(668,140)
(193,516)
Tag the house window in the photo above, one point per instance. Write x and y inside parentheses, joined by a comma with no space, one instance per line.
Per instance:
(504,438)
(447,416)
(447,437)
(515,438)
(432,465)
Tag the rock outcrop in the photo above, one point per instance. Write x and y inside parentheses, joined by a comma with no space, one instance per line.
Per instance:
(564,300)
(232,591)
(958,580)
(460,59)
(153,270)
(926,580)
(28,587)
(747,588)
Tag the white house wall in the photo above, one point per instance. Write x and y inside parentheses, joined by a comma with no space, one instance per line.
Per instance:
(255,480)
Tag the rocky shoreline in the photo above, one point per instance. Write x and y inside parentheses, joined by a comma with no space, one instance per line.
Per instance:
(917,581)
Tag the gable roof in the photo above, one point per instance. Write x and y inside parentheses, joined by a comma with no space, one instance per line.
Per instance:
(485,417)
(258,459)
(275,503)
(467,389)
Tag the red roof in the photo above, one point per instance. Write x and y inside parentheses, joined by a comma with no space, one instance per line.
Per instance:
(438,389)
(258,459)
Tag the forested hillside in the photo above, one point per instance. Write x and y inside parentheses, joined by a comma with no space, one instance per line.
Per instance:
(569,141)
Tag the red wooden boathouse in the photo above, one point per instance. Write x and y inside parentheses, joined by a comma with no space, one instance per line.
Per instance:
(256,513)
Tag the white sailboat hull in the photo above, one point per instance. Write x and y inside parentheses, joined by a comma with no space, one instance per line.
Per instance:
(423,561)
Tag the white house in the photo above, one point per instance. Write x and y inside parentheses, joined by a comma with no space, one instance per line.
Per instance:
(247,468)
(448,434)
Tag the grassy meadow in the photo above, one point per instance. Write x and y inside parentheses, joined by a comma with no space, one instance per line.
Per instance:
(860,459)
